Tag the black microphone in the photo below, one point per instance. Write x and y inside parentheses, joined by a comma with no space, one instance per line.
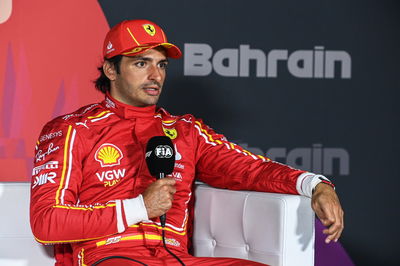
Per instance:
(160,159)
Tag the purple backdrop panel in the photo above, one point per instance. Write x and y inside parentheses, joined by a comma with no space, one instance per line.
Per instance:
(332,254)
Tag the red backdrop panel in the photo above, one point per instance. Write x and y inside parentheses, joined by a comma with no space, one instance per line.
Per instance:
(49,53)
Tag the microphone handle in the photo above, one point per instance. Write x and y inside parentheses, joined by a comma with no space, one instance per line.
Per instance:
(163,217)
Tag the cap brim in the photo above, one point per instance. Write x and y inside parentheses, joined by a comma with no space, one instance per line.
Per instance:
(172,50)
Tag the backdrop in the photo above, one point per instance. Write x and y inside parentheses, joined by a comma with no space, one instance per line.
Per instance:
(313,84)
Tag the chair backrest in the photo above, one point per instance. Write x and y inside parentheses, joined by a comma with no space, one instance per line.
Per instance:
(276,229)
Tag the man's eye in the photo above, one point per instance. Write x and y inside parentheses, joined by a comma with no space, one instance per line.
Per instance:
(140,64)
(163,65)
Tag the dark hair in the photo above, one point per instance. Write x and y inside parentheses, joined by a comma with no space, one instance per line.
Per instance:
(102,83)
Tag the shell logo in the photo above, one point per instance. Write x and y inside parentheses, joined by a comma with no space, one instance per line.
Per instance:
(108,155)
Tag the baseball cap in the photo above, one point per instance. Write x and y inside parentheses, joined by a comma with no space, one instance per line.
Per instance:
(132,37)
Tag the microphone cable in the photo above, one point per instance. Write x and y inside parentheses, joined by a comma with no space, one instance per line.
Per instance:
(167,249)
(116,257)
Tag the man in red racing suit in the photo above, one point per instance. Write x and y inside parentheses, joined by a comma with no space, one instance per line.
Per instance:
(91,187)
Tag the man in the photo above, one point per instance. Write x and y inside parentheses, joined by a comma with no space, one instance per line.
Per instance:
(91,187)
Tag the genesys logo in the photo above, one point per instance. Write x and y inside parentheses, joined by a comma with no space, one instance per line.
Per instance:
(319,63)
(50,136)
(317,158)
(108,155)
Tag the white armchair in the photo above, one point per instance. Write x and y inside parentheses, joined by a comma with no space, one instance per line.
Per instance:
(276,229)
(17,245)
(271,228)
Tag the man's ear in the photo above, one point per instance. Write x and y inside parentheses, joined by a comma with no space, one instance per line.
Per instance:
(109,70)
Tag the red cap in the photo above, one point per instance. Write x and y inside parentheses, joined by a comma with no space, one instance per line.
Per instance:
(132,37)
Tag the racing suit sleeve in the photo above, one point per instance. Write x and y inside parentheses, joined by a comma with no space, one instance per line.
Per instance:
(223,164)
(55,213)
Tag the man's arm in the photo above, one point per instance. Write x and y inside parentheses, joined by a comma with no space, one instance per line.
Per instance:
(226,165)
(55,213)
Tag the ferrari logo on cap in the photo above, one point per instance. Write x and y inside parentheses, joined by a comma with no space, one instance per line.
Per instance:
(149,29)
(170,132)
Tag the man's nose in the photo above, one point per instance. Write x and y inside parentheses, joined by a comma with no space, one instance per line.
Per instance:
(155,73)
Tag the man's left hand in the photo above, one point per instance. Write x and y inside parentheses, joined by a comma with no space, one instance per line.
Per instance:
(326,205)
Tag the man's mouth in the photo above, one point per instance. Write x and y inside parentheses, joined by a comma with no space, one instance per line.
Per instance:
(152,91)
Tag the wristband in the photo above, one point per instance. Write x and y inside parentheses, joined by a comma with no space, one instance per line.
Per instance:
(323,179)
(307,182)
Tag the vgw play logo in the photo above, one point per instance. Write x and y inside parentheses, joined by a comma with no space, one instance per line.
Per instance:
(319,63)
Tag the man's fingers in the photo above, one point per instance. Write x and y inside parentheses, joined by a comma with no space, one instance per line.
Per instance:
(158,196)
(166,181)
(334,225)
(331,216)
(326,215)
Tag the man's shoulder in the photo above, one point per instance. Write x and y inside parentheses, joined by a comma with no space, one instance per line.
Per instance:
(80,115)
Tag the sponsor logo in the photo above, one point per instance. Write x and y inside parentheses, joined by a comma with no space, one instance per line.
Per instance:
(40,155)
(149,29)
(109,103)
(163,151)
(50,136)
(44,178)
(108,155)
(179,165)
(110,48)
(113,240)
(136,50)
(170,132)
(66,117)
(317,159)
(177,176)
(111,177)
(82,123)
(200,60)
(48,165)
(172,242)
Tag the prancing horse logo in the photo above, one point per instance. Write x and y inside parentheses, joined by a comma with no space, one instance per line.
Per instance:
(149,29)
(170,132)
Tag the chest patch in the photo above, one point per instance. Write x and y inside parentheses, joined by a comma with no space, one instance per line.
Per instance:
(170,132)
(108,155)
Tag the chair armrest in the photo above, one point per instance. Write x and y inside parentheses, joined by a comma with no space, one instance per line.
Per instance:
(276,229)
(17,244)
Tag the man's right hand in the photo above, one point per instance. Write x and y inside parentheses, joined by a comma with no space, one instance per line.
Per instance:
(158,197)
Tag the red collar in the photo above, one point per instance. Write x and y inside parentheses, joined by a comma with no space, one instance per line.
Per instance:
(128,111)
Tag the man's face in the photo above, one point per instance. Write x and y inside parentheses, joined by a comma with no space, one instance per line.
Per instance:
(141,78)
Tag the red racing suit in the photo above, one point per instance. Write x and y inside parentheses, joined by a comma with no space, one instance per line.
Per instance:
(90,168)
